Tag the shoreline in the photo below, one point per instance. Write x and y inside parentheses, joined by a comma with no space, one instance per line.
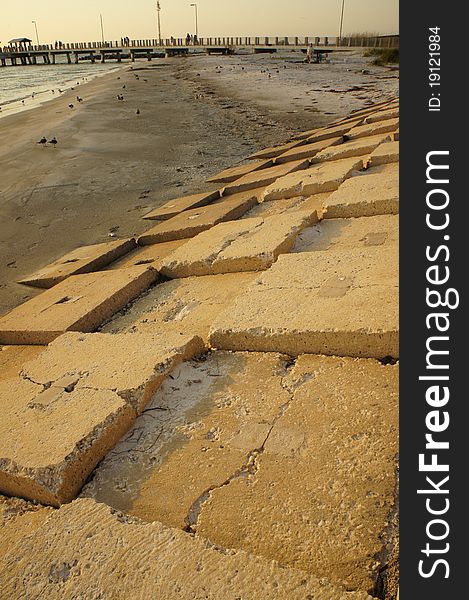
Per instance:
(111,166)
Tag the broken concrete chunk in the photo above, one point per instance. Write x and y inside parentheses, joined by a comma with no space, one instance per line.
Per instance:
(246,245)
(191,222)
(178,205)
(88,550)
(314,180)
(80,303)
(385,154)
(354,147)
(264,177)
(342,234)
(346,304)
(52,439)
(307,150)
(365,195)
(234,173)
(81,260)
(132,365)
(186,306)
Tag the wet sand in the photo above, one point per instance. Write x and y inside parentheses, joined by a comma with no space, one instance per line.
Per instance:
(111,166)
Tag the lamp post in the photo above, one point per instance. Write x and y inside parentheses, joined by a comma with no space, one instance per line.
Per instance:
(102,28)
(341,22)
(196,21)
(158,9)
(37,36)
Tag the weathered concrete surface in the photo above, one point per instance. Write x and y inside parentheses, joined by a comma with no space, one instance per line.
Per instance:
(132,365)
(50,440)
(12,359)
(320,488)
(316,135)
(183,306)
(80,303)
(385,154)
(73,403)
(365,195)
(81,260)
(235,246)
(307,150)
(264,177)
(355,147)
(342,234)
(287,205)
(228,175)
(191,222)
(174,207)
(274,151)
(372,129)
(314,180)
(148,255)
(346,304)
(382,115)
(87,550)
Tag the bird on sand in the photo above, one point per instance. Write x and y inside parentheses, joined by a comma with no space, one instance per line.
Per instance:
(53,141)
(79,99)
(138,111)
(70,106)
(42,141)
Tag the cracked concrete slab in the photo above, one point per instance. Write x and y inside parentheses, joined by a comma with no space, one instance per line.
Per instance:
(355,147)
(307,150)
(323,490)
(51,439)
(79,303)
(324,133)
(233,173)
(264,177)
(182,306)
(315,180)
(272,152)
(366,195)
(178,205)
(12,359)
(382,115)
(372,129)
(191,222)
(342,234)
(81,260)
(133,364)
(82,550)
(148,255)
(346,304)
(287,205)
(385,154)
(235,246)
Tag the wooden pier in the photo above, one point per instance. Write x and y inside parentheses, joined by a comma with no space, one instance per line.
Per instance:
(23,55)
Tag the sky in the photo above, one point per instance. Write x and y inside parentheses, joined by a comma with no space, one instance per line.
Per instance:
(79,20)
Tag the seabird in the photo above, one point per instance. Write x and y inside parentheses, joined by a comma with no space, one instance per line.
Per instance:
(70,106)
(42,141)
(79,99)
(138,111)
(53,141)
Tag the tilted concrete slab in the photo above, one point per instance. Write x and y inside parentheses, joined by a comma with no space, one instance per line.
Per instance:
(324,133)
(307,150)
(12,359)
(385,153)
(52,439)
(316,179)
(372,129)
(234,173)
(274,151)
(148,255)
(235,246)
(264,177)
(365,195)
(81,260)
(80,303)
(382,115)
(191,222)
(178,205)
(319,491)
(88,550)
(355,147)
(133,364)
(183,306)
(74,402)
(342,234)
(346,304)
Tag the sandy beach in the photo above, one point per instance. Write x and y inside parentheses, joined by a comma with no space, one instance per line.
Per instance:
(111,166)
